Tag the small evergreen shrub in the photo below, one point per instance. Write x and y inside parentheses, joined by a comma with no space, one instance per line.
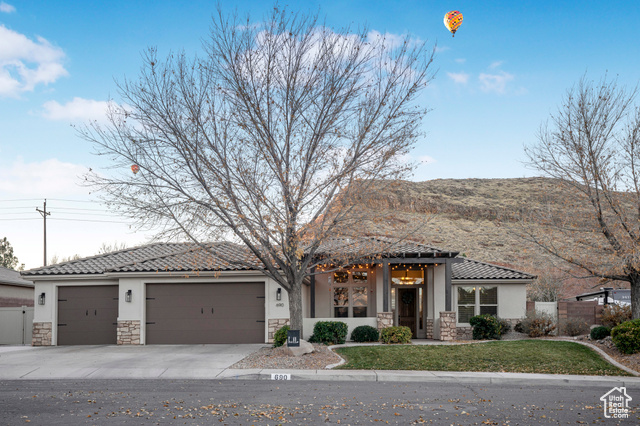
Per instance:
(329,332)
(575,327)
(392,335)
(519,327)
(613,314)
(280,336)
(365,333)
(626,336)
(505,326)
(485,327)
(538,324)
(599,333)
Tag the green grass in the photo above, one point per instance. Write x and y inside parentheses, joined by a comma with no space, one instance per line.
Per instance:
(524,356)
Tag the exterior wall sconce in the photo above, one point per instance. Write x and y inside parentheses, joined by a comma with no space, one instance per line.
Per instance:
(41,299)
(127,296)
(279,294)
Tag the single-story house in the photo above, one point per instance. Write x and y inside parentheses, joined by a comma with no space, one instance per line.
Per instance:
(178,293)
(15,291)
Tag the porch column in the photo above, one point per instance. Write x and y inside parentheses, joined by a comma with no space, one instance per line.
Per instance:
(312,286)
(385,286)
(447,285)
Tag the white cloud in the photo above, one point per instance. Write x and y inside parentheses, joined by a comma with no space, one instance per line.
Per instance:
(425,159)
(458,78)
(46,178)
(461,60)
(78,109)
(442,49)
(495,82)
(25,63)
(495,64)
(6,8)
(390,40)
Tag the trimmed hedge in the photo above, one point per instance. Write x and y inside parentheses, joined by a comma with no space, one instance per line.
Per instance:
(626,336)
(365,333)
(329,332)
(280,336)
(599,333)
(392,335)
(486,327)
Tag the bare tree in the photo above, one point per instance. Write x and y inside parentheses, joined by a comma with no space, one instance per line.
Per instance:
(111,247)
(592,147)
(253,141)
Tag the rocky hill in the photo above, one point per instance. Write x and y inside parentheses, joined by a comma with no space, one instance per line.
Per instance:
(476,218)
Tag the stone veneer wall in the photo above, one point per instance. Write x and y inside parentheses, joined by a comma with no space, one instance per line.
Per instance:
(129,332)
(448,325)
(276,324)
(385,319)
(464,333)
(429,329)
(41,334)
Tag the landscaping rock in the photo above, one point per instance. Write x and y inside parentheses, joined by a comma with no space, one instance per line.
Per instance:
(304,348)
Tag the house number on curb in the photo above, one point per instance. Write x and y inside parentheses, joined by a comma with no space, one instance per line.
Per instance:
(286,376)
(280,305)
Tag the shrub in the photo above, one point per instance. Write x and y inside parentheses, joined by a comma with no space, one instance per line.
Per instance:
(519,327)
(485,327)
(599,333)
(400,334)
(574,327)
(538,324)
(613,314)
(365,333)
(329,332)
(505,326)
(280,336)
(626,336)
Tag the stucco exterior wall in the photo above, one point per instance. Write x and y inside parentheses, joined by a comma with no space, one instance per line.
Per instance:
(512,296)
(14,295)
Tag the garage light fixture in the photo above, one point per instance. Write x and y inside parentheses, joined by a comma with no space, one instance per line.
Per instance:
(127,296)
(279,294)
(41,299)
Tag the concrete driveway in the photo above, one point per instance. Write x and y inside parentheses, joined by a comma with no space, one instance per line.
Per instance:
(120,362)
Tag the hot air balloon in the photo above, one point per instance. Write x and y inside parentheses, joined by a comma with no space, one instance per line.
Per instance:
(135,169)
(453,20)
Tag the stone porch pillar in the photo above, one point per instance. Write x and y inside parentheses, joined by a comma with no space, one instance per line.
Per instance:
(448,330)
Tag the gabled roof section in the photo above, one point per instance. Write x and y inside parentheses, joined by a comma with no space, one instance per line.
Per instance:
(474,270)
(157,257)
(383,247)
(11,277)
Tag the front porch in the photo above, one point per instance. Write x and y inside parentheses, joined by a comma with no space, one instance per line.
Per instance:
(411,292)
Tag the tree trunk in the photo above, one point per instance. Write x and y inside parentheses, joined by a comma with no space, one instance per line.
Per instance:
(635,295)
(295,308)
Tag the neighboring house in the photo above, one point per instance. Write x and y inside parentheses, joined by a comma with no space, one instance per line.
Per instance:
(177,293)
(14,290)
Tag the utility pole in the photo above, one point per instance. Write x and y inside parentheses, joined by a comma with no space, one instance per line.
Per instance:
(44,214)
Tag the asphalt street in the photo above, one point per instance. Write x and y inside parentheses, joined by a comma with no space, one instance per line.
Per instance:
(247,402)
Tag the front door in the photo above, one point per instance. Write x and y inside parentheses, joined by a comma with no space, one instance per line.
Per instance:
(407,309)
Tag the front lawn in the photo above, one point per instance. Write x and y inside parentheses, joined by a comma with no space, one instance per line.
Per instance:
(523,356)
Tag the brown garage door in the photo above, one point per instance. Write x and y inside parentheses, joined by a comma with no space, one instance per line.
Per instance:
(205,313)
(87,315)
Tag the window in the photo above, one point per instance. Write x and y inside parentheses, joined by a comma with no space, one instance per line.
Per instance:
(474,301)
(350,294)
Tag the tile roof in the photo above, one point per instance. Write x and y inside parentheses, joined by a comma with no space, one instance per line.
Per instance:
(474,270)
(187,257)
(382,246)
(175,257)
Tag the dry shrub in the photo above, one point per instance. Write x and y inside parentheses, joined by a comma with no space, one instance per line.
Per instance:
(614,314)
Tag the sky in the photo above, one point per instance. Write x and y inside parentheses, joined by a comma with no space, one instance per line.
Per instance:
(497,81)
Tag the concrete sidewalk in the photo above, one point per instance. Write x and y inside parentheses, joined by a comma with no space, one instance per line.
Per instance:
(207,362)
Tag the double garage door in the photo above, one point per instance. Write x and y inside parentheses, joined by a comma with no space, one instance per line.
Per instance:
(175,314)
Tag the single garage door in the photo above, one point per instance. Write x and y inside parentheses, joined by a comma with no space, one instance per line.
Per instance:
(205,313)
(87,315)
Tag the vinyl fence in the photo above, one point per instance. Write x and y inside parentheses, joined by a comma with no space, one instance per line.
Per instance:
(16,325)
